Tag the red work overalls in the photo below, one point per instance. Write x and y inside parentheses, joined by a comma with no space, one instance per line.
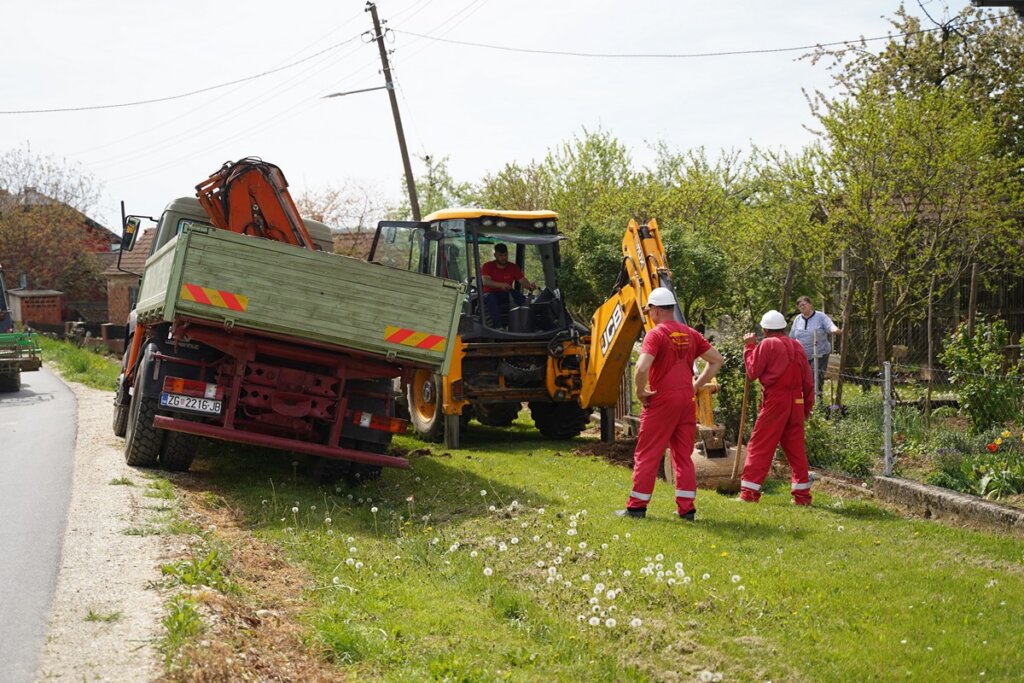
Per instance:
(780,420)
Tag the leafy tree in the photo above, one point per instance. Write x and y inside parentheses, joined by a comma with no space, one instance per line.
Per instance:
(43,234)
(352,206)
(917,190)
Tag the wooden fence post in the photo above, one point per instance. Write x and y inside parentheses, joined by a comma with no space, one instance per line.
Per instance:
(972,304)
(879,324)
(844,339)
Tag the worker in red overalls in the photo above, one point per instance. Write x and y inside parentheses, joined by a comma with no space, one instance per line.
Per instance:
(665,386)
(781,366)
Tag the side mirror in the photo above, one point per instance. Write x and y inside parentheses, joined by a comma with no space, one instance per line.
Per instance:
(131,232)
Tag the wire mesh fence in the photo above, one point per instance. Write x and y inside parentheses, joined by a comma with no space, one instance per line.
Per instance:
(962,431)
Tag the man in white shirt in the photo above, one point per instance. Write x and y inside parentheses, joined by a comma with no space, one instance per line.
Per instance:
(813,329)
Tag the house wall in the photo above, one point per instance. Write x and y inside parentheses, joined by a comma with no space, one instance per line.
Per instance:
(121,293)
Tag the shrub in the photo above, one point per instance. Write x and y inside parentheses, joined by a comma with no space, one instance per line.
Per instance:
(990,391)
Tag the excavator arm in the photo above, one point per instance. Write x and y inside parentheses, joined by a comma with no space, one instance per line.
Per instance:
(617,323)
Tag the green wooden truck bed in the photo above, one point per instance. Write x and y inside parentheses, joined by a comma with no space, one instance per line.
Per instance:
(265,286)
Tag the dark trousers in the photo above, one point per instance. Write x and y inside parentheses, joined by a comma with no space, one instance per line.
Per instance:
(494,300)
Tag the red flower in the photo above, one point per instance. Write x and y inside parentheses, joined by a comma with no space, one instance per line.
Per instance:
(992,447)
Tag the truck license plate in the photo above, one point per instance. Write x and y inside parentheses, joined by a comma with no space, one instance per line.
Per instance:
(197,405)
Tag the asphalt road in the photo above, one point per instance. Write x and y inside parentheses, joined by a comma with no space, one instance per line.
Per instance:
(37,441)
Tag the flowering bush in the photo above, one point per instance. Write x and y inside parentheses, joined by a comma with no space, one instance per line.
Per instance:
(990,392)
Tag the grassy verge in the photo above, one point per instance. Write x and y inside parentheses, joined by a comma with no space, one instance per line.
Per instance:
(80,365)
(503,561)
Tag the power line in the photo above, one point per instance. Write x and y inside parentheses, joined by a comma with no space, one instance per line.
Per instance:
(689,55)
(182,95)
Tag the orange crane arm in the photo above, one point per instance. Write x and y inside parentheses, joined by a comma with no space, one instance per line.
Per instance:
(251,197)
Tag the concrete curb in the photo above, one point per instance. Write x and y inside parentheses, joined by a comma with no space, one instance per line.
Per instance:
(932,502)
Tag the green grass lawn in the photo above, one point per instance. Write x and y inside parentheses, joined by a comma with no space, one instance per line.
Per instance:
(503,560)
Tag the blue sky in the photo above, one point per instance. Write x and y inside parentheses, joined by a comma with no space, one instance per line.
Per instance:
(480,107)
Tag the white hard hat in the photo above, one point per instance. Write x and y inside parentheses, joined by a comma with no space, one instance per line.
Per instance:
(773,320)
(661,297)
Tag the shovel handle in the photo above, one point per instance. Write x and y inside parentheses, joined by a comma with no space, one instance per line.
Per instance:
(743,424)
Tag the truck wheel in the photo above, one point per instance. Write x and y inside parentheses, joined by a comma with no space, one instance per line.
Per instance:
(425,412)
(122,402)
(10,381)
(120,419)
(178,451)
(496,414)
(559,421)
(142,439)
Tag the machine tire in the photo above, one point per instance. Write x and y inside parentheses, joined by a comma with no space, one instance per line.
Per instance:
(122,402)
(425,410)
(10,382)
(142,439)
(178,452)
(120,419)
(496,414)
(559,421)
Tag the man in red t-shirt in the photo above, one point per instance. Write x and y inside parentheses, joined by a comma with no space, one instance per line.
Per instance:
(780,364)
(499,277)
(669,414)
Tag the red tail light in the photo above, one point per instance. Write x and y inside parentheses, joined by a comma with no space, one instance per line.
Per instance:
(193,387)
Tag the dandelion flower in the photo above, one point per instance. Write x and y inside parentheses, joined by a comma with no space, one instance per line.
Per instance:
(295,510)
(609,622)
(473,553)
(483,492)
(735,578)
(595,621)
(706,576)
(488,571)
(636,623)
(1006,434)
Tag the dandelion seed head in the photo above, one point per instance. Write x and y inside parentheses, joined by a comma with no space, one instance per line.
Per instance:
(295,510)
(488,571)
(550,579)
(359,565)
(628,535)
(595,621)
(687,579)
(599,588)
(374,509)
(483,492)
(735,578)
(635,622)
(327,520)
(350,561)
(741,587)
(583,545)
(513,540)
(627,573)
(609,622)
(571,532)
(585,578)
(705,576)
(353,550)
(473,553)
(335,580)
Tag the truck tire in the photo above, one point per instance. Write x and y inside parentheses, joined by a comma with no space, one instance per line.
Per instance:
(425,411)
(10,381)
(496,414)
(178,451)
(122,402)
(120,419)
(142,439)
(559,421)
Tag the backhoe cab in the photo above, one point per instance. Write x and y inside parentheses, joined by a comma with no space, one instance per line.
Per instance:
(530,353)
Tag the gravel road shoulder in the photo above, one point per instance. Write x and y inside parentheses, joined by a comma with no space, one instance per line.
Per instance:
(106,610)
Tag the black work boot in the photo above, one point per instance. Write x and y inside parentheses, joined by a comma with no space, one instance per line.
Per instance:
(689,516)
(637,513)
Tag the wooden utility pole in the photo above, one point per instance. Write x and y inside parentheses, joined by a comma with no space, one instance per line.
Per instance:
(410,182)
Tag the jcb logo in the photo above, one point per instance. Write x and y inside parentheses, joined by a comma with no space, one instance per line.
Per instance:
(611,328)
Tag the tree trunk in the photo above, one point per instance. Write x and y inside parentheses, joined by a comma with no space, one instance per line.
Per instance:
(844,339)
(972,304)
(787,288)
(931,353)
(879,325)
